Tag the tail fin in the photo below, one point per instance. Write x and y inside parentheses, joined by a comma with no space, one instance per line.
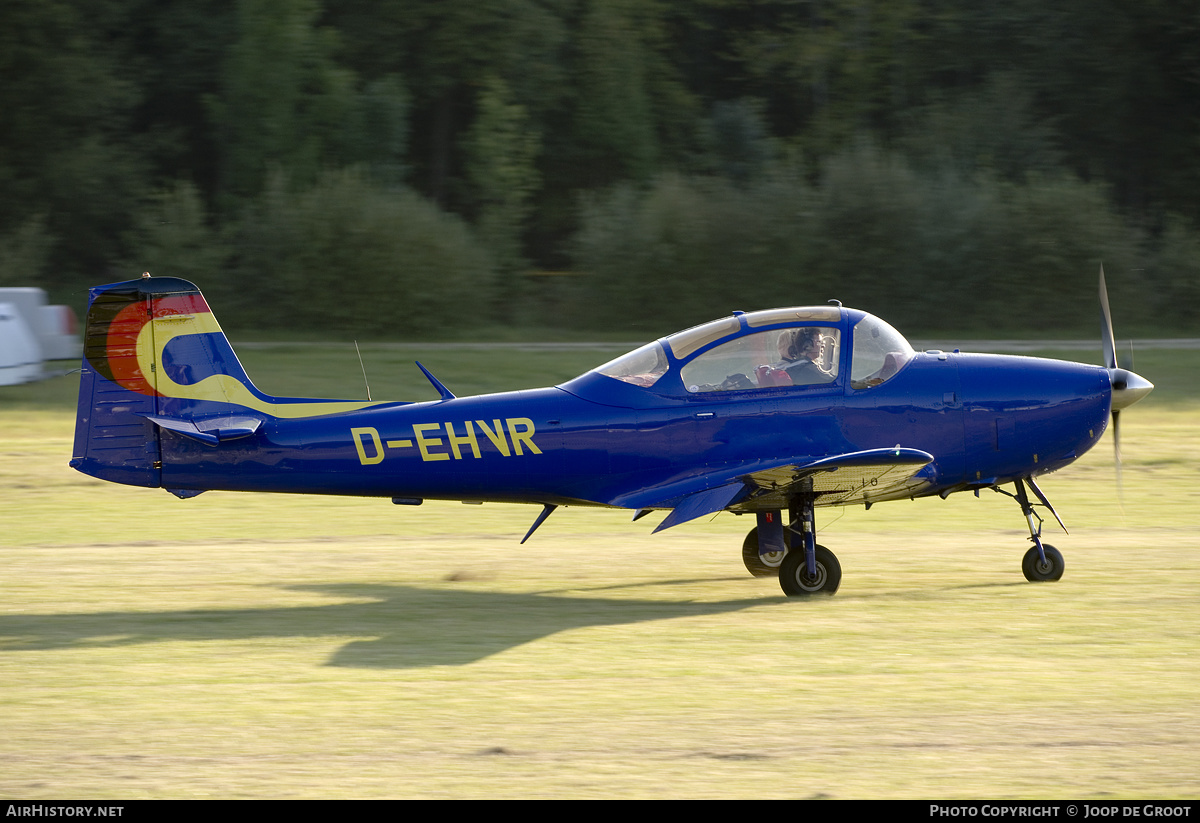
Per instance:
(131,368)
(154,360)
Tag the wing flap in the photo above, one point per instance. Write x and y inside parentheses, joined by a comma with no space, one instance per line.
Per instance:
(761,485)
(702,503)
(864,475)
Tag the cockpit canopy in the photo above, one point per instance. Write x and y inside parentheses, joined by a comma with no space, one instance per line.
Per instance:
(879,353)
(776,348)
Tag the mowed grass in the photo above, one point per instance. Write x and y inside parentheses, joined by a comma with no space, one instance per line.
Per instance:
(273,646)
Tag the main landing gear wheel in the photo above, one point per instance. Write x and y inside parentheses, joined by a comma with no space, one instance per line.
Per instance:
(760,565)
(794,578)
(1036,571)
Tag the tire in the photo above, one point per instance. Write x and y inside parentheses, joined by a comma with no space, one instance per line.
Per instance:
(1038,572)
(760,565)
(794,579)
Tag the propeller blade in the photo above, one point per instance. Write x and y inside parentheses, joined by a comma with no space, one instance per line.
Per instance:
(1127,387)
(1116,431)
(1107,341)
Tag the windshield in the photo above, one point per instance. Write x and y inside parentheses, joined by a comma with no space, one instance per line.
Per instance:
(879,353)
(641,367)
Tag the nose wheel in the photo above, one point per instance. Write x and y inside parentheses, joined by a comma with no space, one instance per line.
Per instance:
(1043,563)
(1039,569)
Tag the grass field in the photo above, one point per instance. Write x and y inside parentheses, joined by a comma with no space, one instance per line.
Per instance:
(268,646)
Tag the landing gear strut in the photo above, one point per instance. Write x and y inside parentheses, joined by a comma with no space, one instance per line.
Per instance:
(807,568)
(1043,562)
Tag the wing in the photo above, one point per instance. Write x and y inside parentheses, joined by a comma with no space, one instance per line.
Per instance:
(865,476)
(856,477)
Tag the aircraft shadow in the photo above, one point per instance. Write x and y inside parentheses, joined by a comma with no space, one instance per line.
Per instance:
(406,627)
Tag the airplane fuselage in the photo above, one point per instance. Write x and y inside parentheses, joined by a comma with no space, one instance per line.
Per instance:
(562,445)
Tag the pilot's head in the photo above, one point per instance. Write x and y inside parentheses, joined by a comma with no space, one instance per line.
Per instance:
(800,343)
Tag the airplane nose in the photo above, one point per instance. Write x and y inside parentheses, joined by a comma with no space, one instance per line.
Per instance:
(1127,388)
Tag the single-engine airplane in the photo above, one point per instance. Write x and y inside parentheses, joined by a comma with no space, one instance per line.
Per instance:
(772,413)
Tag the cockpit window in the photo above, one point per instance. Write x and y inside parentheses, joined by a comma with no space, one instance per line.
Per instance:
(796,356)
(641,367)
(879,353)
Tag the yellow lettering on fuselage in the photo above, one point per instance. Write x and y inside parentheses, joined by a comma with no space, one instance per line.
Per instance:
(496,436)
(423,442)
(468,440)
(520,430)
(356,435)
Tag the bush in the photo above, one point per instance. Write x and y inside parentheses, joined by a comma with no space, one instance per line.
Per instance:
(691,249)
(173,237)
(929,251)
(1172,285)
(349,257)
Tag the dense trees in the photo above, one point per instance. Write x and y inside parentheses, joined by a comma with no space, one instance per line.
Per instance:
(944,163)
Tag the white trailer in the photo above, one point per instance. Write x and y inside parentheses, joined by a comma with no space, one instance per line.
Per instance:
(32,332)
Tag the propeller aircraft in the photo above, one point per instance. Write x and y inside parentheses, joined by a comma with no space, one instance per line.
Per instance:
(770,413)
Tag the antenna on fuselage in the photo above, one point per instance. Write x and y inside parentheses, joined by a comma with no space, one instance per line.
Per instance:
(364,370)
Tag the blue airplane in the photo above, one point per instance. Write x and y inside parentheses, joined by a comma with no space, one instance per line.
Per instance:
(771,413)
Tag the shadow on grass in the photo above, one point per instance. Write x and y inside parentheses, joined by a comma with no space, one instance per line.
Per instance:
(405,626)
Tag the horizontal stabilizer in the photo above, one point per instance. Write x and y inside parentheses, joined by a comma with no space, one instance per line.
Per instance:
(213,430)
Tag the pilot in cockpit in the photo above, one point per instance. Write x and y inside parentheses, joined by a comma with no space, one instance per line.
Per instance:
(801,356)
(800,350)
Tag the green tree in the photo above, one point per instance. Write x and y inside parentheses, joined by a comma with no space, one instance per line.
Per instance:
(284,101)
(614,117)
(65,149)
(174,236)
(1174,282)
(1120,82)
(24,253)
(833,69)
(501,150)
(442,50)
(174,51)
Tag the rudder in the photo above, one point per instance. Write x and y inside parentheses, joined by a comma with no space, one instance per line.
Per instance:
(150,347)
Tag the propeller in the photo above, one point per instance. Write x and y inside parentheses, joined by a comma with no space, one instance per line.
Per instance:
(1127,387)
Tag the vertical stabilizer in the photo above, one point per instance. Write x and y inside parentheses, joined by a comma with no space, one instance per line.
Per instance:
(158,378)
(150,347)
